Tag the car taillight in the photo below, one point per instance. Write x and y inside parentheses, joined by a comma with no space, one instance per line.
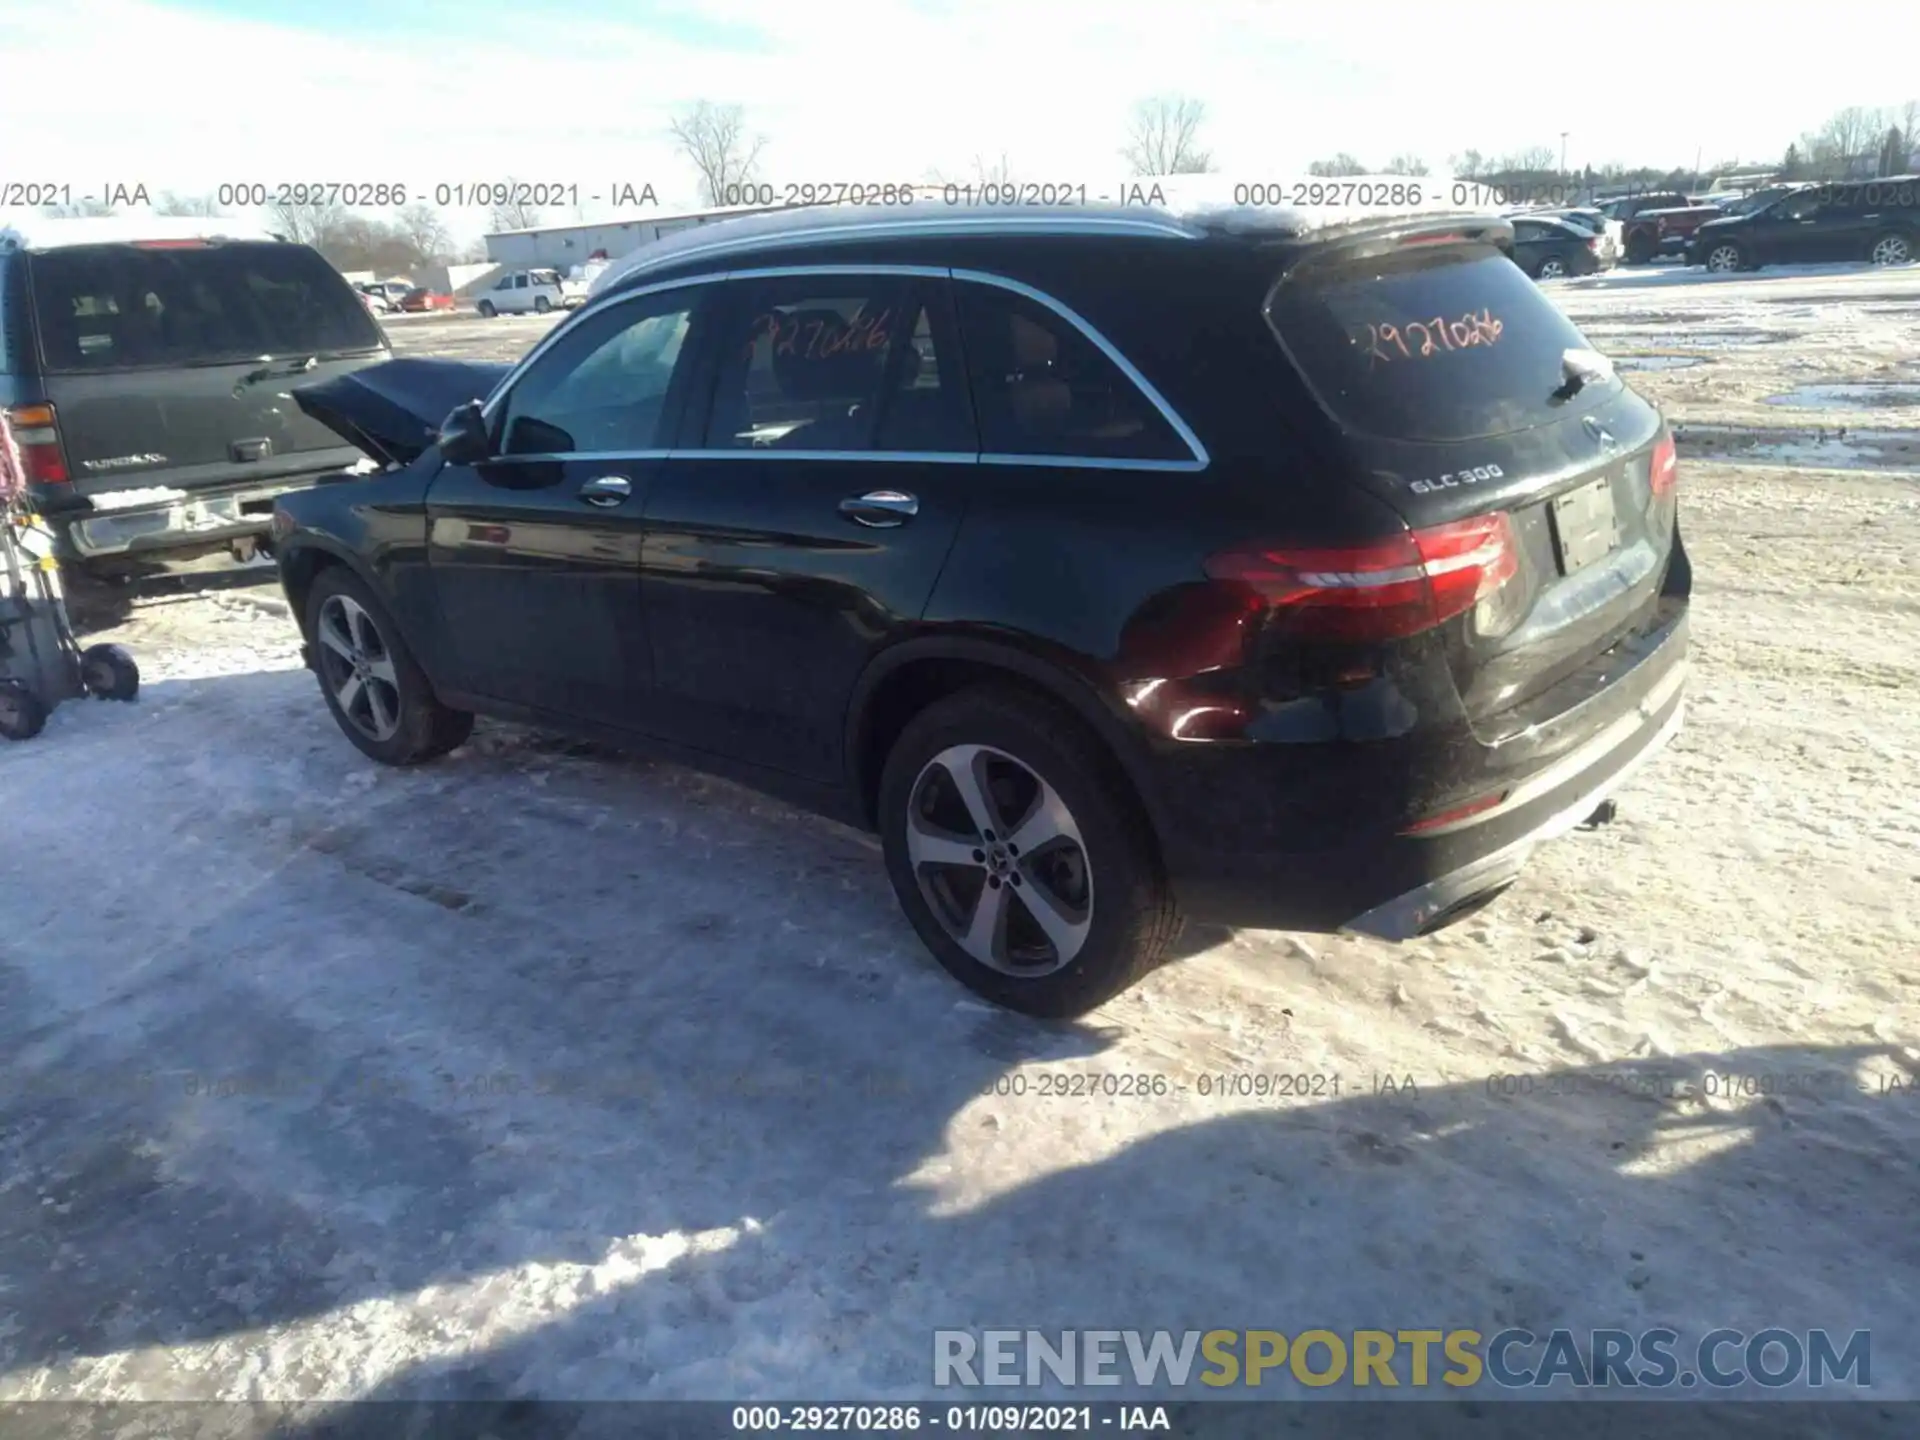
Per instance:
(1386,590)
(1663,471)
(38,438)
(1593,245)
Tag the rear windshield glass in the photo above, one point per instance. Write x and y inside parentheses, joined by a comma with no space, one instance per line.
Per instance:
(1430,344)
(115,307)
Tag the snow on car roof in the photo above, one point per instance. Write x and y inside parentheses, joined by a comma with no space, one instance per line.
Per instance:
(1182,208)
(30,230)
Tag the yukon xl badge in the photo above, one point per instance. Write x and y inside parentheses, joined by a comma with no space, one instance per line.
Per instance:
(123,462)
(1459,477)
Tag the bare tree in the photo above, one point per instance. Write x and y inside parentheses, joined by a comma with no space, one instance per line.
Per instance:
(1405,164)
(172,204)
(1909,122)
(1533,158)
(510,210)
(1341,164)
(1467,164)
(424,230)
(983,172)
(1163,138)
(1848,136)
(309,224)
(715,141)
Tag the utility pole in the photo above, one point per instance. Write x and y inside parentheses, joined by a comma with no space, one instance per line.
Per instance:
(1563,152)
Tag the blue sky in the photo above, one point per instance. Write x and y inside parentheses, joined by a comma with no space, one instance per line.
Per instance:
(189,95)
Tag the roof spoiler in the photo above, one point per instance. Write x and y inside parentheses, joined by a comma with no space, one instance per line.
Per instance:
(1379,234)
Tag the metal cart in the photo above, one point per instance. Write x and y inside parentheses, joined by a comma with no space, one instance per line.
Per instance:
(41,663)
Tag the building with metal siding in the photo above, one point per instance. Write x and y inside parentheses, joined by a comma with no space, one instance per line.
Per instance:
(564,246)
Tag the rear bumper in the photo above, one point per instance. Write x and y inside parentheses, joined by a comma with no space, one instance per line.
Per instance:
(1422,909)
(1312,837)
(173,523)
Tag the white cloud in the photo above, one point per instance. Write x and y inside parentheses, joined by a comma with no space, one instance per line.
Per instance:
(129,90)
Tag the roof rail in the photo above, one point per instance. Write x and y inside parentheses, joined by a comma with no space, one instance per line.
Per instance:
(759,232)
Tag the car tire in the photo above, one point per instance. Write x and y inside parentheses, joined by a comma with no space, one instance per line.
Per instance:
(1112,909)
(1640,250)
(1890,248)
(23,714)
(391,714)
(487,312)
(1724,257)
(108,672)
(1551,268)
(541,305)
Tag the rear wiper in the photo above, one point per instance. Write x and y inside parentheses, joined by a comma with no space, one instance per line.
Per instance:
(273,372)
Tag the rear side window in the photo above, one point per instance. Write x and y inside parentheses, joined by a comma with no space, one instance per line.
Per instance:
(1430,344)
(1042,388)
(115,307)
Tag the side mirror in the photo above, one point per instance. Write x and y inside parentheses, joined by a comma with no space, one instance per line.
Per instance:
(463,435)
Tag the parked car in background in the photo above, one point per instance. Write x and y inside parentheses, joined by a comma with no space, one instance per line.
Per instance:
(1549,248)
(422,298)
(376,304)
(1113,566)
(522,292)
(1872,220)
(1653,233)
(1589,218)
(144,382)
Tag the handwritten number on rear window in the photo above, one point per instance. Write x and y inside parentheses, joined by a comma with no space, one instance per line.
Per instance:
(1423,339)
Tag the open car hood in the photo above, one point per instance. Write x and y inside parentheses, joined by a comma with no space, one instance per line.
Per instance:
(393,411)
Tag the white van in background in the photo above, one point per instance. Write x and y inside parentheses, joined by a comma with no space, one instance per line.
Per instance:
(524,292)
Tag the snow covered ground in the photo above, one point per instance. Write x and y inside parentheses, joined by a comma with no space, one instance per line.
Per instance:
(543,1071)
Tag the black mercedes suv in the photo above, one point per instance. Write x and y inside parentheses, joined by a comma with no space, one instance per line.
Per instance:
(1115,566)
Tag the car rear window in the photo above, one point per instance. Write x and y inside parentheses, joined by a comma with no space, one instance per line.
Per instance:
(116,307)
(1430,344)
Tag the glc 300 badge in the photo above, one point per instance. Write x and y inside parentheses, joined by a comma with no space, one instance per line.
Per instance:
(123,462)
(1458,478)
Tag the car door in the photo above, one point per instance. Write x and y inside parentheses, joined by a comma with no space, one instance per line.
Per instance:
(534,553)
(1849,220)
(1795,231)
(805,523)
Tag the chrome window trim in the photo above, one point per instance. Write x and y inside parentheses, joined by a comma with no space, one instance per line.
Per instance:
(1200,459)
(1106,347)
(914,457)
(1091,462)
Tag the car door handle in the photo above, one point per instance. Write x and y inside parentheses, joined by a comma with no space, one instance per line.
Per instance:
(880,508)
(608,490)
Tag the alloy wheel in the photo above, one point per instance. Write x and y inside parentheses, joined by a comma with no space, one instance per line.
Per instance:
(1891,250)
(1000,861)
(1551,269)
(357,668)
(1724,259)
